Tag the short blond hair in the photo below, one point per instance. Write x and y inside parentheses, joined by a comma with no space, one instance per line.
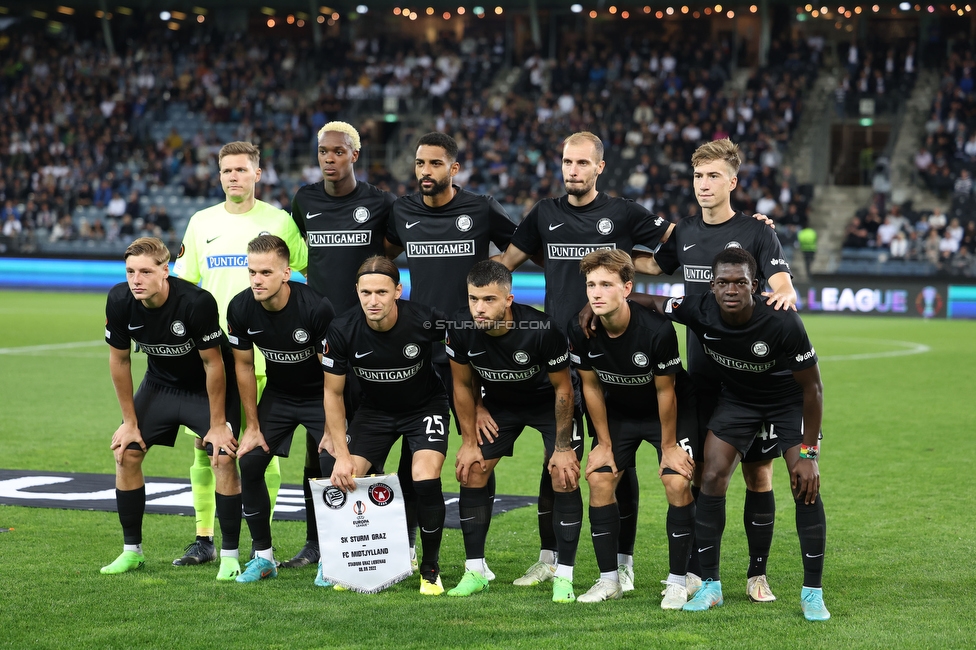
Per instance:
(238,148)
(614,261)
(150,246)
(724,150)
(343,127)
(584,137)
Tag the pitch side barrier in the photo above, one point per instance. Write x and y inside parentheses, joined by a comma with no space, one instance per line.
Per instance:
(928,297)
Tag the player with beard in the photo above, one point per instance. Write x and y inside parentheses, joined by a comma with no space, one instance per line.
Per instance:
(770,379)
(287,321)
(388,344)
(177,325)
(343,221)
(564,230)
(522,362)
(693,245)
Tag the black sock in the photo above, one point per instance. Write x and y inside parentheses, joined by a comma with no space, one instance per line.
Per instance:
(628,502)
(405,474)
(430,515)
(311,527)
(568,520)
(474,508)
(710,524)
(811,527)
(759,516)
(547,537)
(490,486)
(681,536)
(604,529)
(131,505)
(255,500)
(694,562)
(229,516)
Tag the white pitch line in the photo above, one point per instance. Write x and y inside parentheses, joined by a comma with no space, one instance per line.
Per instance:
(29,349)
(909,348)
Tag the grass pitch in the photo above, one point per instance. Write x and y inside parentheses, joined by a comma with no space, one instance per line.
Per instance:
(898,456)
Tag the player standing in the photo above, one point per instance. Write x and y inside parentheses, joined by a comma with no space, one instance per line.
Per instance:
(214,254)
(522,362)
(388,344)
(176,324)
(287,321)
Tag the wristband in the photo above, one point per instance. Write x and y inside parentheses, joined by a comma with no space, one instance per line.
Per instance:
(809,452)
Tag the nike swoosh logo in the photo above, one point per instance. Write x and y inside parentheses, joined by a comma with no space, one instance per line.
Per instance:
(411,225)
(768,523)
(702,550)
(684,248)
(553,226)
(475,354)
(429,532)
(814,556)
(712,338)
(574,523)
(254,332)
(133,328)
(766,450)
(312,216)
(594,356)
(251,514)
(364,354)
(680,534)
(214,239)
(430,439)
(466,518)
(606,532)
(577,448)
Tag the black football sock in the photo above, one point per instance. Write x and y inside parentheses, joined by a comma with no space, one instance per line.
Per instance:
(405,474)
(709,526)
(547,537)
(604,529)
(568,520)
(474,508)
(430,515)
(680,528)
(694,563)
(311,527)
(131,505)
(255,500)
(229,516)
(490,486)
(758,517)
(628,502)
(811,527)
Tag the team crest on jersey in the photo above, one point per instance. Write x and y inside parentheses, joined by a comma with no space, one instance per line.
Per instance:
(178,328)
(760,349)
(359,508)
(361,214)
(733,244)
(300,335)
(381,494)
(411,350)
(521,356)
(640,359)
(604,226)
(464,223)
(333,497)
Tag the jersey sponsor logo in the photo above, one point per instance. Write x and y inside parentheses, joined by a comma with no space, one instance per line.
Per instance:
(212,336)
(575,251)
(659,221)
(553,226)
(604,226)
(663,365)
(521,357)
(623,380)
(779,261)
(162,350)
(464,223)
(806,355)
(321,238)
(388,375)
(226,261)
(733,244)
(558,360)
(489,374)
(361,214)
(760,349)
(640,359)
(411,350)
(300,335)
(738,364)
(309,215)
(178,328)
(688,246)
(278,356)
(457,248)
(695,273)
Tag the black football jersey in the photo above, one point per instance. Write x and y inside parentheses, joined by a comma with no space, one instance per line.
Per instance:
(694,244)
(289,339)
(341,232)
(171,335)
(513,367)
(626,365)
(755,361)
(442,244)
(566,233)
(394,367)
